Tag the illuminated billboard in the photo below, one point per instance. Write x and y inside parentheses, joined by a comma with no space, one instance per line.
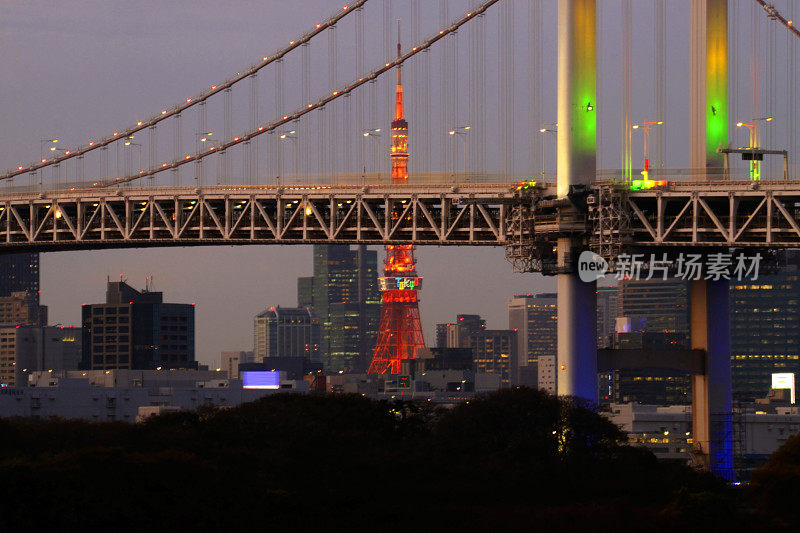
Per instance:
(784,381)
(261,379)
(400,284)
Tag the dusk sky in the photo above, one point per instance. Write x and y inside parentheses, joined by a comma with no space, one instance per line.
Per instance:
(78,70)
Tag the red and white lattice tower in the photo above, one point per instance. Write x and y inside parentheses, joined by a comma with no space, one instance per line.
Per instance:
(400,332)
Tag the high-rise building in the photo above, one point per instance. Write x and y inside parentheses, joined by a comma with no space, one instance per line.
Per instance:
(663,304)
(535,319)
(22,308)
(458,333)
(286,332)
(652,386)
(138,331)
(305,292)
(441,335)
(28,349)
(607,310)
(493,352)
(765,338)
(343,293)
(20,273)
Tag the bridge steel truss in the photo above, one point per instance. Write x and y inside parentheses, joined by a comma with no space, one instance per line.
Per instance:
(725,214)
(444,215)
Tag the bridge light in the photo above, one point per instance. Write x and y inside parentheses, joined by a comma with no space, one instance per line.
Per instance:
(139,123)
(163,111)
(589,106)
(19,168)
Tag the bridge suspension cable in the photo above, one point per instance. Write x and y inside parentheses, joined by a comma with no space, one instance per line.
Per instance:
(189,102)
(318,105)
(775,14)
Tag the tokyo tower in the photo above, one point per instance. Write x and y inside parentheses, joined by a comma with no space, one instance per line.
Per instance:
(400,332)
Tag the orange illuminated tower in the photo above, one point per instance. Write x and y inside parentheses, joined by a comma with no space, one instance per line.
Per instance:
(400,332)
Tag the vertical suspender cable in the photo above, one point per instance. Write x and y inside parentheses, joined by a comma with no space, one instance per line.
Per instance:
(535,81)
(483,124)
(733,75)
(228,99)
(333,144)
(443,89)
(754,27)
(153,148)
(791,94)
(601,101)
(201,131)
(770,92)
(252,146)
(278,113)
(176,147)
(660,77)
(389,53)
(626,90)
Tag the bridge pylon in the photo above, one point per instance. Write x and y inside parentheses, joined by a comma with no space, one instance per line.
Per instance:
(577,156)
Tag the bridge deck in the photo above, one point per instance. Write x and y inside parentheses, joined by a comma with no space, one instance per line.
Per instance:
(444,214)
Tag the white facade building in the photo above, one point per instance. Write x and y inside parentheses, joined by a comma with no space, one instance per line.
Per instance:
(111,395)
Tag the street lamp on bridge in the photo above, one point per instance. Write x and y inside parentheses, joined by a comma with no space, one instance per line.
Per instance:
(544,130)
(755,165)
(201,138)
(282,136)
(645,127)
(461,132)
(371,132)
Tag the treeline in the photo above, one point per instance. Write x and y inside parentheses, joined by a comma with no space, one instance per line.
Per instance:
(513,460)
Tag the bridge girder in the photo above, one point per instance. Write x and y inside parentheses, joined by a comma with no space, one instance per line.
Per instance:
(443,215)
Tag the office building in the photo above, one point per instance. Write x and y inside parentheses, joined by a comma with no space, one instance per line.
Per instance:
(653,386)
(229,362)
(660,305)
(534,318)
(494,351)
(765,338)
(457,334)
(286,332)
(344,295)
(607,309)
(28,349)
(22,308)
(137,330)
(20,273)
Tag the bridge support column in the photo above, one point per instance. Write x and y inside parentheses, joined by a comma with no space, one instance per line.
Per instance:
(577,153)
(712,424)
(577,338)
